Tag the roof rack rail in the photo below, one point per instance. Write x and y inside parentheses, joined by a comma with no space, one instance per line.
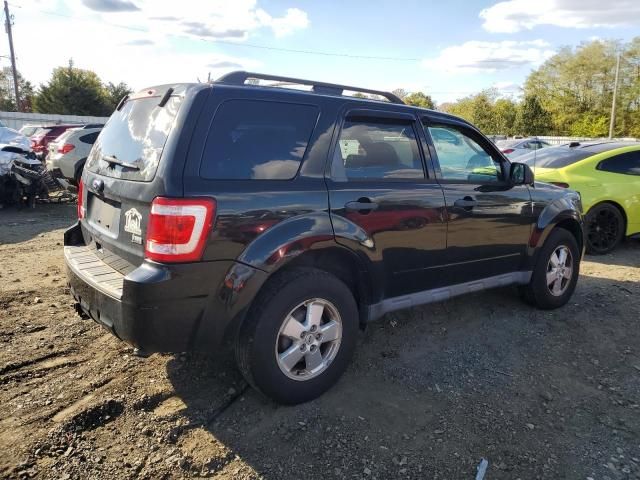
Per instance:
(240,77)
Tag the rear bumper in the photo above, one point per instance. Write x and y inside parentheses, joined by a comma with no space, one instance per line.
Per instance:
(157,307)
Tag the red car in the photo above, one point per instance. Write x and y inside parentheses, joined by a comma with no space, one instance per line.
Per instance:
(40,140)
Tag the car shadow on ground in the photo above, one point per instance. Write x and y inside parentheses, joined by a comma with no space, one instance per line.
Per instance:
(432,390)
(627,254)
(22,224)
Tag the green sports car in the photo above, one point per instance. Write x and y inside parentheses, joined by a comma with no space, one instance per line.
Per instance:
(607,176)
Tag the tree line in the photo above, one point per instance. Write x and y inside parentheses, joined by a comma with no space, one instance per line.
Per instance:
(569,94)
(69,91)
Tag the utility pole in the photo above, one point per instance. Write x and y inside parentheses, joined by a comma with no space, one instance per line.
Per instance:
(612,123)
(7,26)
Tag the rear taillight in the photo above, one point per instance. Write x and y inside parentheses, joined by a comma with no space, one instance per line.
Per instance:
(178,228)
(508,150)
(560,184)
(80,200)
(66,148)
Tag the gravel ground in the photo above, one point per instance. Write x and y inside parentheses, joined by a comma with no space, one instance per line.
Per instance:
(431,392)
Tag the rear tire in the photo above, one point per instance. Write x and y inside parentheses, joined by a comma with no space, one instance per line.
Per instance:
(299,336)
(604,228)
(556,272)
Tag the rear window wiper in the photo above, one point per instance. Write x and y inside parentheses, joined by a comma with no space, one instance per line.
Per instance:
(113,160)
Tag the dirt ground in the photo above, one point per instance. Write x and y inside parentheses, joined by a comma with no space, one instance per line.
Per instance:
(431,391)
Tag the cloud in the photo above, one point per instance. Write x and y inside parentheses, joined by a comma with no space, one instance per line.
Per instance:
(295,19)
(224,64)
(214,19)
(516,15)
(490,56)
(203,30)
(141,42)
(110,5)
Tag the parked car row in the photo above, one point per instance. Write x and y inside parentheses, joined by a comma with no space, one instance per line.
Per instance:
(63,148)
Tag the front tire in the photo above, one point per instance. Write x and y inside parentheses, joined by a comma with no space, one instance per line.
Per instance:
(556,272)
(299,336)
(604,228)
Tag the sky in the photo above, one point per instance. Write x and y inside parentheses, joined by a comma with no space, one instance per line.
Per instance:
(447,49)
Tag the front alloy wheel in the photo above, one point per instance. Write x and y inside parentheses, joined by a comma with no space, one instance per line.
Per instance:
(559,270)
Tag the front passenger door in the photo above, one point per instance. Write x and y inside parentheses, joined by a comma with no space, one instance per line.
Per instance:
(489,220)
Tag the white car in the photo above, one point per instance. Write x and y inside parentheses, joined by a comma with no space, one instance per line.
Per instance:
(515,148)
(69,151)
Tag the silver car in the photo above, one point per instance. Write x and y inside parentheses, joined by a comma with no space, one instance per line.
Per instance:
(515,148)
(69,151)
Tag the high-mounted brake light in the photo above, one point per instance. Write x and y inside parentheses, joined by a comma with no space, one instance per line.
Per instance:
(80,200)
(66,148)
(178,229)
(508,150)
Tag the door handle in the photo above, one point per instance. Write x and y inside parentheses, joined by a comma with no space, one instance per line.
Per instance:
(361,206)
(467,203)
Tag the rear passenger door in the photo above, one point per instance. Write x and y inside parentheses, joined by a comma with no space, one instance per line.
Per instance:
(383,204)
(489,220)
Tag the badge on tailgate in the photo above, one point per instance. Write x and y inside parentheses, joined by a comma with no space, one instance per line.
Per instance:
(132,224)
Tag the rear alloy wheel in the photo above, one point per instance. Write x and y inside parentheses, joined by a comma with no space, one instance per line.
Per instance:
(299,335)
(605,228)
(309,339)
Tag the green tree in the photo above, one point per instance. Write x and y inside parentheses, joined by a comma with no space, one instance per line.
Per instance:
(115,93)
(73,91)
(576,84)
(419,99)
(7,94)
(505,112)
(532,118)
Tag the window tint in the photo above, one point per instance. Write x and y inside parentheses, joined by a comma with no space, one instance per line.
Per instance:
(369,149)
(625,163)
(89,138)
(262,140)
(461,158)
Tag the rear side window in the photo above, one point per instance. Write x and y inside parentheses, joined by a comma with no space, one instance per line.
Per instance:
(89,138)
(377,149)
(625,163)
(253,139)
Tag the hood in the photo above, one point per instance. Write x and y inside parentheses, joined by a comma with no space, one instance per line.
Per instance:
(9,136)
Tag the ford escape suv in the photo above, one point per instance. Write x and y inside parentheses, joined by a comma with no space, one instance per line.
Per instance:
(283,219)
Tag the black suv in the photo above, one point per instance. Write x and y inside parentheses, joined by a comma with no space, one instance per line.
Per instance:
(282,219)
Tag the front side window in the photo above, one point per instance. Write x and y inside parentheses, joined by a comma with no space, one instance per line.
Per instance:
(625,163)
(260,140)
(461,158)
(377,150)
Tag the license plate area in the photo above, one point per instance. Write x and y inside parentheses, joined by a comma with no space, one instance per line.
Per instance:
(104,215)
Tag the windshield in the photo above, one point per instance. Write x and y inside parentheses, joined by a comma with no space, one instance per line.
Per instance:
(131,143)
(554,157)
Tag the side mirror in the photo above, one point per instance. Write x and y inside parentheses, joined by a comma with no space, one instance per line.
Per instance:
(521,174)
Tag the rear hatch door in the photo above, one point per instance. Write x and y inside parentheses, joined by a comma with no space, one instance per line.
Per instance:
(138,156)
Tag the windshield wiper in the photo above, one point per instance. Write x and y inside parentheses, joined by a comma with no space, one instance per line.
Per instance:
(113,160)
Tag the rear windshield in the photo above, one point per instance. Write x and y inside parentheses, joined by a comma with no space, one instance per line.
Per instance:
(555,157)
(131,143)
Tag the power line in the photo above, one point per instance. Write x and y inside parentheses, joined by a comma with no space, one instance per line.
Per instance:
(252,45)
